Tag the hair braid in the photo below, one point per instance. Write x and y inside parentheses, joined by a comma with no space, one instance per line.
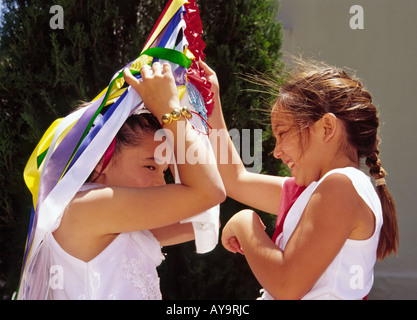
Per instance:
(389,237)
(374,164)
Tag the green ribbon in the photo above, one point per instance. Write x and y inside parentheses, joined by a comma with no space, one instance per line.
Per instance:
(171,55)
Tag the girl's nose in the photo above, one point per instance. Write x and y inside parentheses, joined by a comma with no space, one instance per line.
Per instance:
(277,151)
(160,181)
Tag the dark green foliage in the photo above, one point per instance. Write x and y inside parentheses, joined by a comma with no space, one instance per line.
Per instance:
(45,73)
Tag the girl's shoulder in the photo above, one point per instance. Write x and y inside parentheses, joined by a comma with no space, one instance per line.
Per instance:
(352,173)
(348,196)
(351,182)
(349,186)
(336,186)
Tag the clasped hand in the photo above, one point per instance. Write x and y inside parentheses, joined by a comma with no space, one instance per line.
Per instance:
(157,88)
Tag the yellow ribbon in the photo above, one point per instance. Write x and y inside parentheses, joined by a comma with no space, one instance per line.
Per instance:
(173,8)
(32,172)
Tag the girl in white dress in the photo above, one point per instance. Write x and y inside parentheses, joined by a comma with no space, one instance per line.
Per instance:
(108,243)
(324,122)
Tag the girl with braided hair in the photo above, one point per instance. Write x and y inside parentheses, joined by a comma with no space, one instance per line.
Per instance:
(325,124)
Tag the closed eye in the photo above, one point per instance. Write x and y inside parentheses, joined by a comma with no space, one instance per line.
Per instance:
(281,133)
(153,168)
(280,130)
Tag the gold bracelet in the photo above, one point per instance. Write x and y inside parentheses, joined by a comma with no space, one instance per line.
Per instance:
(176,115)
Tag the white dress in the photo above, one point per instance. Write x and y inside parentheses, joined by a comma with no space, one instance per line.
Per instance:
(124,270)
(350,275)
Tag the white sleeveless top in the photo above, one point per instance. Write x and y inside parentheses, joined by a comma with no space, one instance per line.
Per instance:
(350,275)
(124,270)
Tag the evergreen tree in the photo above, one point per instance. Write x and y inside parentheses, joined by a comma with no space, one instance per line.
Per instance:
(45,73)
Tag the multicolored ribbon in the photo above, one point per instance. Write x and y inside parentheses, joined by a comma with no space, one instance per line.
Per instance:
(72,146)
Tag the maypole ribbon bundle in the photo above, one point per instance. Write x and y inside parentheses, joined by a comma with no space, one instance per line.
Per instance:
(72,146)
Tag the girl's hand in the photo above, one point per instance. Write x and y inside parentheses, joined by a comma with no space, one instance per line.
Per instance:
(157,88)
(211,77)
(229,239)
(244,221)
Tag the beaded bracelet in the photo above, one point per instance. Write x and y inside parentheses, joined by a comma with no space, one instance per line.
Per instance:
(176,114)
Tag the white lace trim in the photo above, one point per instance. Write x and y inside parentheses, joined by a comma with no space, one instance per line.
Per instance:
(133,271)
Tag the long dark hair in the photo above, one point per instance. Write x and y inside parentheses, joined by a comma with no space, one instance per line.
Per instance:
(319,89)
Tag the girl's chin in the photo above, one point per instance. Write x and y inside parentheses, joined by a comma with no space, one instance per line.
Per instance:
(299,181)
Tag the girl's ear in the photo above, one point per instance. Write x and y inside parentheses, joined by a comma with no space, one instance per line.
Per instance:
(329,126)
(101,168)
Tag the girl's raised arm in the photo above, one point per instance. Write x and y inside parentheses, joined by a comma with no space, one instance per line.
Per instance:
(259,191)
(117,209)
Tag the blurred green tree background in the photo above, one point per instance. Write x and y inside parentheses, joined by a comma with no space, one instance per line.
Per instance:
(45,73)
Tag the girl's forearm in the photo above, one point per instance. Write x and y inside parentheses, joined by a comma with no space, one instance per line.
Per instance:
(265,259)
(174,234)
(229,162)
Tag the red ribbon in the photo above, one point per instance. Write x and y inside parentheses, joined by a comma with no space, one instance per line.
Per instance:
(290,192)
(107,157)
(195,74)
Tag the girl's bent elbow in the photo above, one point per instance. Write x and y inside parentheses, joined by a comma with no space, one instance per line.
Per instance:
(222,195)
(286,295)
(216,194)
(287,291)
(219,194)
